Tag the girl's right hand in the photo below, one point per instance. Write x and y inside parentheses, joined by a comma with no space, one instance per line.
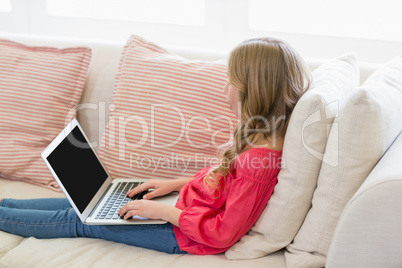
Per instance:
(161,187)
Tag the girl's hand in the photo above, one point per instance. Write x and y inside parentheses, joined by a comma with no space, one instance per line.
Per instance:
(151,210)
(143,208)
(161,187)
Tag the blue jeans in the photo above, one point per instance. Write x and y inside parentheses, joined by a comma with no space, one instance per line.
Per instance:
(55,218)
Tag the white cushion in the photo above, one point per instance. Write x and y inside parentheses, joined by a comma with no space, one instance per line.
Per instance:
(368,123)
(377,202)
(303,150)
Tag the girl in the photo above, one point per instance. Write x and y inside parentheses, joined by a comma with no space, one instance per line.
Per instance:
(219,204)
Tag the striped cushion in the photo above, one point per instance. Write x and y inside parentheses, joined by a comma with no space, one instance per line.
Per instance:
(168,116)
(39,89)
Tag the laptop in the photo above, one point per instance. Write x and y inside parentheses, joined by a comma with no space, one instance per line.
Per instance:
(95,196)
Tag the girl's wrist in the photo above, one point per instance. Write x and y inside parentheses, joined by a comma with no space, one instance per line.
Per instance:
(172,215)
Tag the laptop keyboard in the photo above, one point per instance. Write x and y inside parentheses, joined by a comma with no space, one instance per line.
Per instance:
(117,199)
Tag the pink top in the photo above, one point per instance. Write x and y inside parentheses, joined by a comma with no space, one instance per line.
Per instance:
(212,221)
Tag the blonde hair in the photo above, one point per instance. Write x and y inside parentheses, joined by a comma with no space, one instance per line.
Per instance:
(270,77)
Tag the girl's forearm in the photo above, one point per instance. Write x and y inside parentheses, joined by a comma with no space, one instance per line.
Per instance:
(172,214)
(182,182)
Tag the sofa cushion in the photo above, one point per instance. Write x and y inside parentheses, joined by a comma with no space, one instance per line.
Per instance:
(23,190)
(168,116)
(368,123)
(88,252)
(303,150)
(39,89)
(377,202)
(8,242)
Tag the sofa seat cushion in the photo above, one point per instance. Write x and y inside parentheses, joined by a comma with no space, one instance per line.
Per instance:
(8,242)
(87,252)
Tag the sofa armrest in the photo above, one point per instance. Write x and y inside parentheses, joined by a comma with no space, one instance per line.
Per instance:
(369,232)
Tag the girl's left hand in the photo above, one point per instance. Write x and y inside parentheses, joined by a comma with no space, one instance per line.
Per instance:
(143,208)
(152,210)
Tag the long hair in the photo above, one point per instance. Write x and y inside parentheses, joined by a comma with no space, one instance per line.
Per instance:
(270,77)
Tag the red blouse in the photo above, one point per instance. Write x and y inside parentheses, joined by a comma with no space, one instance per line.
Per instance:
(213,221)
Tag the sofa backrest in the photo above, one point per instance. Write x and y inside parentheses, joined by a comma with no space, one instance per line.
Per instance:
(94,106)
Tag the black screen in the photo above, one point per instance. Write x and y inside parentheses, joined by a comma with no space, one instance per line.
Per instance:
(78,168)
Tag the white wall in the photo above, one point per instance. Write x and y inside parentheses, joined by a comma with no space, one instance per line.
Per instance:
(226,24)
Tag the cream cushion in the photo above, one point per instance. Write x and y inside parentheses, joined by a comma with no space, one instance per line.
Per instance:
(373,211)
(303,150)
(89,252)
(368,123)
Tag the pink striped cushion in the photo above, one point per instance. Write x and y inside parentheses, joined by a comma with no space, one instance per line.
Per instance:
(39,89)
(169,116)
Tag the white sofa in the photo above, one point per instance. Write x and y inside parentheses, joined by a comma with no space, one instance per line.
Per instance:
(368,233)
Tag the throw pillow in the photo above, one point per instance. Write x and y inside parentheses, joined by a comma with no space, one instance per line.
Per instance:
(39,89)
(303,150)
(169,114)
(368,123)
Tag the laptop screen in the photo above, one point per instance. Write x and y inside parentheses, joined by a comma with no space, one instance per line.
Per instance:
(78,168)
